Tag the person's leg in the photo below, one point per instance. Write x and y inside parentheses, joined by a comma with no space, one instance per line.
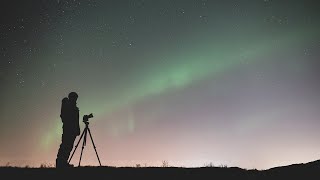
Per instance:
(69,147)
(61,156)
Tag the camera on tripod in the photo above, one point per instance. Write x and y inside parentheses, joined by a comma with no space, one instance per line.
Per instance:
(84,136)
(86,117)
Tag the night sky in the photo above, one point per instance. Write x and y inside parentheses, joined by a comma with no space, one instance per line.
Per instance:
(189,82)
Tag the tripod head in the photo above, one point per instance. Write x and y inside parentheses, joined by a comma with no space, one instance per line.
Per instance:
(85,118)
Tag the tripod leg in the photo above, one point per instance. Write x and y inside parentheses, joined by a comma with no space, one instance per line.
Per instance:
(94,146)
(76,147)
(83,144)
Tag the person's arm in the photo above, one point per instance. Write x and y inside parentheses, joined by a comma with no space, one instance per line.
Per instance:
(78,122)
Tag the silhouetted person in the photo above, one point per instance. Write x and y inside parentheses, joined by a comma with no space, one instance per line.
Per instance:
(70,118)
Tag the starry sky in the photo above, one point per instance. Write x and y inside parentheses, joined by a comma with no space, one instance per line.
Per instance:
(190,82)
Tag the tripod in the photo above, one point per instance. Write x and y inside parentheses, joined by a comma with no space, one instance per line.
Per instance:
(84,136)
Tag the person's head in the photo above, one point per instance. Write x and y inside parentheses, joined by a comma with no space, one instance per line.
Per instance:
(73,96)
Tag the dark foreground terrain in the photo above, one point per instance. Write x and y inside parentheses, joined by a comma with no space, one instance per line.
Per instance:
(297,171)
